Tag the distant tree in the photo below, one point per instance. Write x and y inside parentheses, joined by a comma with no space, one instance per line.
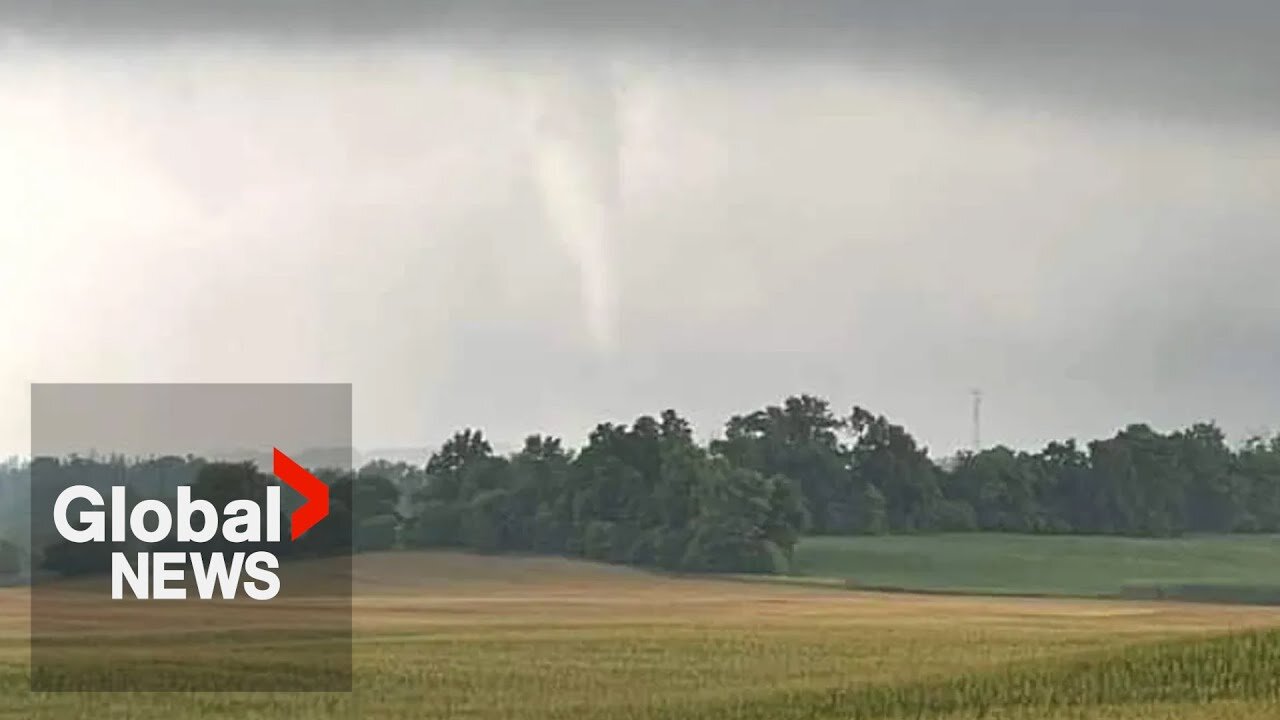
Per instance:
(886,456)
(374,510)
(463,467)
(1217,495)
(1071,500)
(540,510)
(449,467)
(486,526)
(1002,489)
(1141,484)
(739,526)
(801,440)
(222,482)
(1257,467)
(869,510)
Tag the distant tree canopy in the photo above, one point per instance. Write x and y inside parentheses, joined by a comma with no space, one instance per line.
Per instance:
(649,494)
(644,494)
(861,473)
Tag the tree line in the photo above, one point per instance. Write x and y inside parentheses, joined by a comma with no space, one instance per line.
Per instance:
(647,493)
(862,474)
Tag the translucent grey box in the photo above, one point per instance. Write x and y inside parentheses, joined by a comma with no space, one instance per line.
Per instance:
(218,597)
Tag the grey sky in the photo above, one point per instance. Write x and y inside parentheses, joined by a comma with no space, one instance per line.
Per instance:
(224,421)
(1073,206)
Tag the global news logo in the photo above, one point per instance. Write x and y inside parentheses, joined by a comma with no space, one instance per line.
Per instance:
(163,575)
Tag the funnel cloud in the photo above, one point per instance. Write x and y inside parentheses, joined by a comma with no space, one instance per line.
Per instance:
(576,157)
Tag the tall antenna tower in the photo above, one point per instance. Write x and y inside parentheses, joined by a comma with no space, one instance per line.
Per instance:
(977,420)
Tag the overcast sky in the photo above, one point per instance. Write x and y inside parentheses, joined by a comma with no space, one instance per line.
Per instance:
(527,218)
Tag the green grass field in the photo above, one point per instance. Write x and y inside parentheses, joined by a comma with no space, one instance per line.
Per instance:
(442,635)
(1052,565)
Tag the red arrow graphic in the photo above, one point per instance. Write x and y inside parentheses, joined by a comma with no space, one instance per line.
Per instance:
(317,493)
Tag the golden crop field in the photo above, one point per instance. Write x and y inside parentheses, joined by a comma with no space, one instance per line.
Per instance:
(442,635)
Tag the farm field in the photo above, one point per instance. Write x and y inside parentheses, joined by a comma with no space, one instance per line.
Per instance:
(443,635)
(1053,565)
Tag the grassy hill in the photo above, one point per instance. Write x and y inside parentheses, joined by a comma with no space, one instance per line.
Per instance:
(1051,565)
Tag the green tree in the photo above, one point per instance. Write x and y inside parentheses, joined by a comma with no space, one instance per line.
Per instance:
(1217,495)
(1003,488)
(886,456)
(1257,465)
(801,440)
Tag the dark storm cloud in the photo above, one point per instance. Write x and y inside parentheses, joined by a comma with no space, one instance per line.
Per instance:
(1071,205)
(1202,60)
